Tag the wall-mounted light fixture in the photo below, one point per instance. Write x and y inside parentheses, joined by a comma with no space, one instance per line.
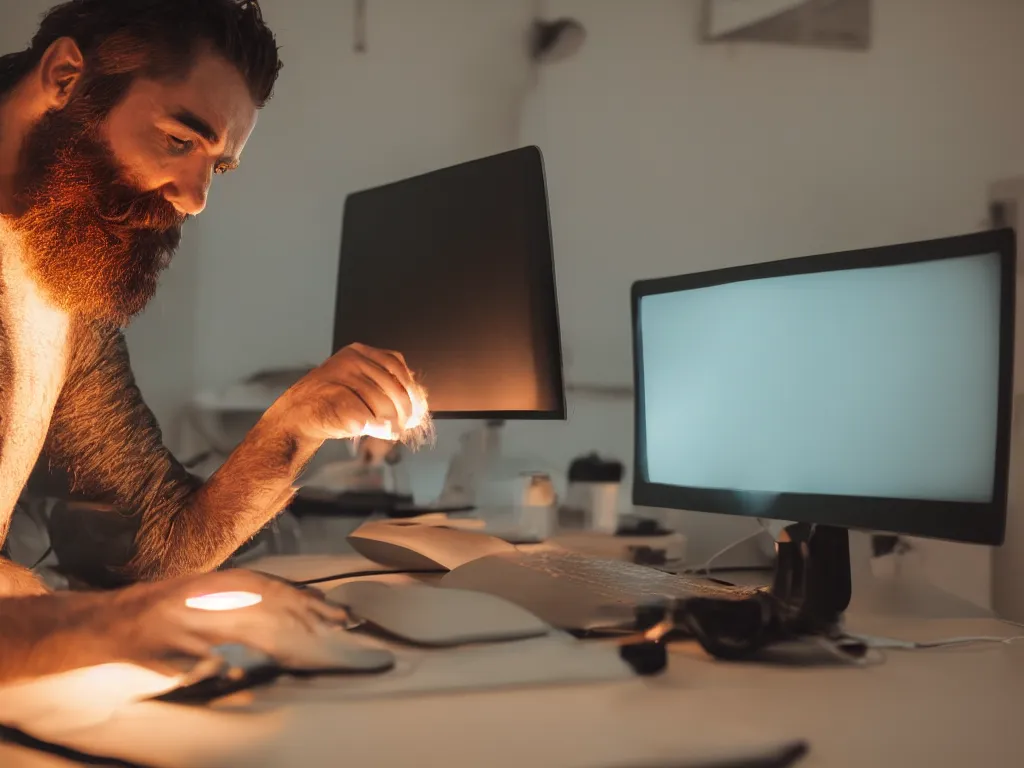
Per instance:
(557,40)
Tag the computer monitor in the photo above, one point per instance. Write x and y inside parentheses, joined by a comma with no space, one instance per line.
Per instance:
(869,389)
(454,270)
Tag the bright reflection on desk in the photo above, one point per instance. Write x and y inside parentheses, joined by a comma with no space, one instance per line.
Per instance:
(80,698)
(224,601)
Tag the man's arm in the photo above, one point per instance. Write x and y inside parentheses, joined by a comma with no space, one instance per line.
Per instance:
(43,635)
(108,441)
(16,581)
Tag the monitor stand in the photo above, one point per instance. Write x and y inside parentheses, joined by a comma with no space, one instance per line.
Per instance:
(822,570)
(812,573)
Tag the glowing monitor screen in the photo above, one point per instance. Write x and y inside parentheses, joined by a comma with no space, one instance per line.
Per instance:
(870,382)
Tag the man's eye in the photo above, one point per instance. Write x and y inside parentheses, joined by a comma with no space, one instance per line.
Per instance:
(179,146)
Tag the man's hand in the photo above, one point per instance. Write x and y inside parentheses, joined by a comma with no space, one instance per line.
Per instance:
(150,624)
(16,581)
(359,391)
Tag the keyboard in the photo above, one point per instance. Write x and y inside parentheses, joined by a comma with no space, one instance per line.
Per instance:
(622,581)
(576,591)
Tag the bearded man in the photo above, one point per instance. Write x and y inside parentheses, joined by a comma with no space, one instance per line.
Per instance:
(112,125)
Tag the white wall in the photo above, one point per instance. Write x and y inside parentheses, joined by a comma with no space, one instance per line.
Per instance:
(666,156)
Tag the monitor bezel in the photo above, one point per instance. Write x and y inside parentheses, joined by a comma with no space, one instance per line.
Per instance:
(977,523)
(530,160)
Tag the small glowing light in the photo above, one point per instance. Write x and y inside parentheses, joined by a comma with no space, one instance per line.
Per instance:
(385,430)
(224,601)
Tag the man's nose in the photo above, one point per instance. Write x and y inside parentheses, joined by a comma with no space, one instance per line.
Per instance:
(188,196)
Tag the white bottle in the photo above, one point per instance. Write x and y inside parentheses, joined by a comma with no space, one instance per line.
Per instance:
(593,494)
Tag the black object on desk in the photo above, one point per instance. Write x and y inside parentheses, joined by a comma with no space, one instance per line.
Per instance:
(312,503)
(593,469)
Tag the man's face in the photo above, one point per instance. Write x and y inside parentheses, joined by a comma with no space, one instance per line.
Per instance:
(101,201)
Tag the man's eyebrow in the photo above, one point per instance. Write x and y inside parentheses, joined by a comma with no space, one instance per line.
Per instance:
(195,123)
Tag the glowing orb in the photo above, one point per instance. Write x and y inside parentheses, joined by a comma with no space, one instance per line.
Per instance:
(224,601)
(385,430)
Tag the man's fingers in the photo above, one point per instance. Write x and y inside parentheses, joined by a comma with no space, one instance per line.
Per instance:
(365,391)
(333,614)
(397,395)
(343,412)
(392,362)
(316,606)
(385,396)
(349,403)
(302,608)
(174,653)
(191,644)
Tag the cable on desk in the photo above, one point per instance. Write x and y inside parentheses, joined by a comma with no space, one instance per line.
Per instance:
(21,739)
(360,574)
(678,569)
(705,568)
(39,561)
(871,657)
(947,642)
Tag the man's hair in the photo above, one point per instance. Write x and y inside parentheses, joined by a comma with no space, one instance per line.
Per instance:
(124,39)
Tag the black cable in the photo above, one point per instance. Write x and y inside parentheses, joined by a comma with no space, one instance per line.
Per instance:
(359,574)
(196,460)
(739,568)
(724,569)
(46,554)
(22,739)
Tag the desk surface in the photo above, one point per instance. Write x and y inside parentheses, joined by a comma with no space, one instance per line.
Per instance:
(931,708)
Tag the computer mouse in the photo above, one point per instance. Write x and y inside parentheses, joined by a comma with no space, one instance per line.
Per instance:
(407,545)
(236,666)
(428,615)
(86,697)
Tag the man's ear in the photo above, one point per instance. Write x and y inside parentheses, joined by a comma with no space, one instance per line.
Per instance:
(60,71)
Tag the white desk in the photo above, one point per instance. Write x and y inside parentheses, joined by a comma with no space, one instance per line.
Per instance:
(946,707)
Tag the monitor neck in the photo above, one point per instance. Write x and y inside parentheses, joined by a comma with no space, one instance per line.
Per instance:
(812,573)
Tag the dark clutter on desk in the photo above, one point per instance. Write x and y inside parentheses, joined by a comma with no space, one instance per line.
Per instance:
(314,502)
(631,526)
(809,594)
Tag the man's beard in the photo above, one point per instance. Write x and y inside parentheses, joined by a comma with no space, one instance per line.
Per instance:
(95,244)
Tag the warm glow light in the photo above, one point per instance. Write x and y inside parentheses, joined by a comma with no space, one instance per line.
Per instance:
(385,432)
(224,601)
(81,698)
(417,427)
